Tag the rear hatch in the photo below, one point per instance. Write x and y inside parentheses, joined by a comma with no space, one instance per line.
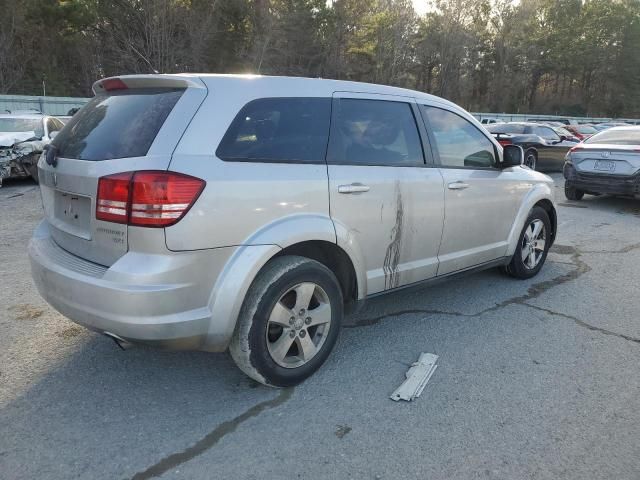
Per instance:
(133,123)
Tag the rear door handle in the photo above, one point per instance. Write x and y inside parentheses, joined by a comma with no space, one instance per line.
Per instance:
(353,188)
(459,185)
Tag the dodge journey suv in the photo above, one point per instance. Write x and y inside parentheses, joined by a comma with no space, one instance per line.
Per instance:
(247,213)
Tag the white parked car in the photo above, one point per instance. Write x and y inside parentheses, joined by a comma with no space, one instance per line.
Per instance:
(218,212)
(23,136)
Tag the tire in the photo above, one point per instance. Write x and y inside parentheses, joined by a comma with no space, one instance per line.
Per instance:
(522,264)
(531,159)
(276,313)
(572,193)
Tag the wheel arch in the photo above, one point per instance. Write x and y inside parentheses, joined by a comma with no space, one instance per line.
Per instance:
(313,237)
(540,195)
(548,207)
(335,259)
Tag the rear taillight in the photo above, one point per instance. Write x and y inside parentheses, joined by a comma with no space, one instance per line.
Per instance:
(146,198)
(112,202)
(577,147)
(505,142)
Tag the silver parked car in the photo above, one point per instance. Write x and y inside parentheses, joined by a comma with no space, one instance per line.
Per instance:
(606,163)
(220,211)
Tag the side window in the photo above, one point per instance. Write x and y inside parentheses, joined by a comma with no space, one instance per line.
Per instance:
(459,142)
(278,130)
(374,132)
(547,133)
(550,134)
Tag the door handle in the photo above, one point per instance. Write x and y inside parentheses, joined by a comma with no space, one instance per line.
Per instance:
(353,188)
(459,185)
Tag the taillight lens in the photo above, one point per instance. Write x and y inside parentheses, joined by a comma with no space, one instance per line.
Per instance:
(505,142)
(146,198)
(112,203)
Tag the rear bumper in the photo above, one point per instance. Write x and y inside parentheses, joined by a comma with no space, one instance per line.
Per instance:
(602,183)
(161,300)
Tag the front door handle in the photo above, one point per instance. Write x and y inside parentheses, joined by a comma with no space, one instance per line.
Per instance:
(459,185)
(353,188)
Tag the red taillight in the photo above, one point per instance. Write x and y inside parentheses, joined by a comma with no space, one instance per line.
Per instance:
(112,203)
(146,198)
(505,142)
(111,84)
(577,147)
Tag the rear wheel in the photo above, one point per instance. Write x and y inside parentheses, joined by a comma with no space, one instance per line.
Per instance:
(533,245)
(531,159)
(572,193)
(289,322)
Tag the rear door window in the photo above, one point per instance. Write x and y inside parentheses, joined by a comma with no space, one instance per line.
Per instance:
(294,129)
(119,125)
(374,132)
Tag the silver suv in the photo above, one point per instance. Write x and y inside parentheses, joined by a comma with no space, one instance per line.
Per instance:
(219,211)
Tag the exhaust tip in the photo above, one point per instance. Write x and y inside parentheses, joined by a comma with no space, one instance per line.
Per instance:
(120,342)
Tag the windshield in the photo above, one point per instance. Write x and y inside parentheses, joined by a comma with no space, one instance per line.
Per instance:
(506,128)
(617,137)
(22,125)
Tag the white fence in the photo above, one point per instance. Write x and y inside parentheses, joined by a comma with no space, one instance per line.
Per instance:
(47,105)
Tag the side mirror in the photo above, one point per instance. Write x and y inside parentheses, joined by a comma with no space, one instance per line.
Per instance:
(512,156)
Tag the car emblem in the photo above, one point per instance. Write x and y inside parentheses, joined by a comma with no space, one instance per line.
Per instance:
(605,154)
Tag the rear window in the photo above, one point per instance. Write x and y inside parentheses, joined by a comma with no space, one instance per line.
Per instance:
(506,128)
(279,130)
(119,125)
(616,137)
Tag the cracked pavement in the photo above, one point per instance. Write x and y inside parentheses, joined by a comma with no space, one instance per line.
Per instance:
(536,379)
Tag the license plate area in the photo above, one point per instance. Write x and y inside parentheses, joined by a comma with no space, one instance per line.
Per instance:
(73,213)
(604,165)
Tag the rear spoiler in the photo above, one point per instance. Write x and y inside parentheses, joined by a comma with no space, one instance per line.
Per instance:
(125,82)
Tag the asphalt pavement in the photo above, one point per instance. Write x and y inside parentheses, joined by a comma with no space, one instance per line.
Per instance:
(536,379)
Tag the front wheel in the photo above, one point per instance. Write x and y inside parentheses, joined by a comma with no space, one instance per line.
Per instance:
(289,321)
(533,245)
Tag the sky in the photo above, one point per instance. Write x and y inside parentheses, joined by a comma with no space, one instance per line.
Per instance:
(420,6)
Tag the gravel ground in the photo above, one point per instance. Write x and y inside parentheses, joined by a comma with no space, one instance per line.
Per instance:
(536,379)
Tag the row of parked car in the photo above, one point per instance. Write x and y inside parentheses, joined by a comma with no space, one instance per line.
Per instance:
(595,159)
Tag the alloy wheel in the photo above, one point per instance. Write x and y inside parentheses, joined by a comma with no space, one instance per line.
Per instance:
(298,325)
(533,244)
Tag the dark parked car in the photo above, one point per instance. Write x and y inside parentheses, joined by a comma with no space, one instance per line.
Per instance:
(544,149)
(606,163)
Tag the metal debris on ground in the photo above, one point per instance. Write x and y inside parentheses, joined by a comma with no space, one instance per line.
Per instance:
(417,377)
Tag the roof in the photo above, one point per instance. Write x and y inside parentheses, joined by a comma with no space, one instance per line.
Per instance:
(319,86)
